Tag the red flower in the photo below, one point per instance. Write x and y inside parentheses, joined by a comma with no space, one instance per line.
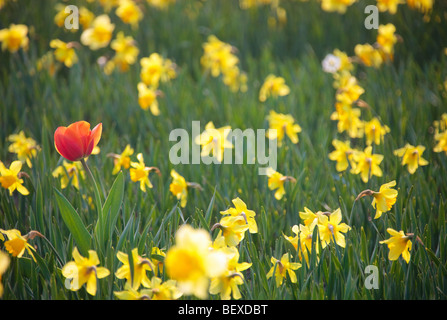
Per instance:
(77,141)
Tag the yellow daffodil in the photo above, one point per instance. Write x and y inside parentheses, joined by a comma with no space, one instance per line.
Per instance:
(276,181)
(332,228)
(424,6)
(227,284)
(129,12)
(441,138)
(160,4)
(179,188)
(412,157)
(366,164)
(140,267)
(281,125)
(14,38)
(273,86)
(282,268)
(99,34)
(126,53)
(25,147)
(232,229)
(302,241)
(133,294)
(11,178)
(309,217)
(218,56)
(345,62)
(375,131)
(342,154)
(339,6)
(384,199)
(147,98)
(164,290)
(348,89)
(157,258)
(240,210)
(156,69)
(389,5)
(368,55)
(398,244)
(86,17)
(140,173)
(192,263)
(122,160)
(84,271)
(386,39)
(69,171)
(17,244)
(4,264)
(108,4)
(214,140)
(349,120)
(64,52)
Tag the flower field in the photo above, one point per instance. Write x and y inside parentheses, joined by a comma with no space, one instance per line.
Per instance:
(122,176)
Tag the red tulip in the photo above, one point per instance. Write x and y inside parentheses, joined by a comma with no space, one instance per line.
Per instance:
(77,141)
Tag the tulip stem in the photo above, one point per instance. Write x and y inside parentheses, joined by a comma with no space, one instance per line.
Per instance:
(97,194)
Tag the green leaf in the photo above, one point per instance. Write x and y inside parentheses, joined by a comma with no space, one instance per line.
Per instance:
(112,207)
(74,223)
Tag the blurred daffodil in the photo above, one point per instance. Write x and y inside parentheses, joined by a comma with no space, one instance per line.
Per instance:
(273,86)
(411,156)
(25,147)
(140,173)
(69,171)
(367,164)
(281,125)
(14,37)
(276,181)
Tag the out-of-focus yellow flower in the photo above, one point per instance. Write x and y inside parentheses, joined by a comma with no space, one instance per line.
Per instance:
(108,4)
(99,34)
(126,53)
(368,55)
(348,89)
(11,178)
(389,5)
(84,270)
(214,140)
(349,120)
(441,133)
(375,131)
(122,160)
(147,98)
(411,156)
(86,17)
(140,173)
(331,228)
(4,264)
(26,148)
(61,15)
(386,39)
(273,86)
(280,125)
(64,52)
(424,6)
(140,267)
(17,244)
(14,37)
(247,4)
(339,6)
(129,12)
(345,62)
(161,4)
(276,181)
(240,210)
(398,244)
(283,267)
(69,171)
(156,69)
(192,263)
(366,164)
(227,284)
(342,154)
